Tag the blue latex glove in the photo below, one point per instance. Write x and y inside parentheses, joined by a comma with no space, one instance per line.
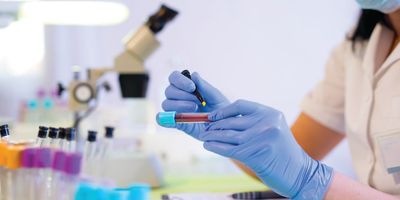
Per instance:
(180,99)
(259,137)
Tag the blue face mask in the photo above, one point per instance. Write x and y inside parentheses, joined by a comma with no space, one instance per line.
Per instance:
(385,6)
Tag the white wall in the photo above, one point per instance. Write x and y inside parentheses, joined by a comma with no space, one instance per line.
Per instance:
(269,51)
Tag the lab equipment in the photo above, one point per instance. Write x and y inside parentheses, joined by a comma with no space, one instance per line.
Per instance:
(196,91)
(259,137)
(133,77)
(52,137)
(27,171)
(180,99)
(58,165)
(90,145)
(72,170)
(41,137)
(14,177)
(385,6)
(70,145)
(61,137)
(4,133)
(42,165)
(107,142)
(3,170)
(172,118)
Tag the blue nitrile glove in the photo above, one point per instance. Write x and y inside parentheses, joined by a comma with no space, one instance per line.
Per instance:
(180,99)
(259,137)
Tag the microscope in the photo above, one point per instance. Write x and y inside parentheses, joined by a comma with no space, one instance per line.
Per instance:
(133,78)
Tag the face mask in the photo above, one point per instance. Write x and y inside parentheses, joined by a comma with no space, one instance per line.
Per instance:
(385,6)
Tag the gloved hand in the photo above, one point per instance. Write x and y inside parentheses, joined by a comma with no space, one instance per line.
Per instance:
(259,137)
(180,99)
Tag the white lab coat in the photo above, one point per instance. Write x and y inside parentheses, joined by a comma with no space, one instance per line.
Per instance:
(360,97)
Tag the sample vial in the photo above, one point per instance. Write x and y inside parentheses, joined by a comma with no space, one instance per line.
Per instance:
(4,133)
(52,137)
(41,137)
(107,143)
(172,118)
(42,164)
(27,171)
(73,164)
(57,185)
(61,137)
(70,145)
(14,176)
(90,146)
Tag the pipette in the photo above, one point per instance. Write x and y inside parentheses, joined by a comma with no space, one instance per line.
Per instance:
(172,118)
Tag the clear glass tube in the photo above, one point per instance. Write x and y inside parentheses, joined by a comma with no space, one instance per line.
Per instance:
(11,184)
(70,146)
(40,142)
(53,143)
(191,118)
(26,184)
(41,186)
(3,195)
(5,138)
(106,147)
(70,185)
(61,143)
(90,150)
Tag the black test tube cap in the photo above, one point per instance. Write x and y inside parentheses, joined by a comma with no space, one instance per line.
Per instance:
(62,133)
(109,132)
(42,132)
(4,130)
(92,135)
(53,132)
(71,133)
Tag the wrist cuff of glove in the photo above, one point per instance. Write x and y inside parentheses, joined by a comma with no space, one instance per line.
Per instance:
(318,185)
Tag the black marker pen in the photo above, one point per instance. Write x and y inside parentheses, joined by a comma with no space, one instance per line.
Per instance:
(196,92)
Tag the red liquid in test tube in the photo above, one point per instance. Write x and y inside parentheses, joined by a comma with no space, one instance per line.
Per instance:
(191,117)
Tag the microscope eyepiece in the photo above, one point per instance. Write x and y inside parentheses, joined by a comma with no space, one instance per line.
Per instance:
(157,21)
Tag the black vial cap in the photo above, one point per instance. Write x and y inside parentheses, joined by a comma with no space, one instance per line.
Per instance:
(53,132)
(109,132)
(4,130)
(42,132)
(71,133)
(92,135)
(62,133)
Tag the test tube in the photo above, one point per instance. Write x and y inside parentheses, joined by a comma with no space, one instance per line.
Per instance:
(41,137)
(42,164)
(4,133)
(27,171)
(13,174)
(172,118)
(52,137)
(61,137)
(90,145)
(58,165)
(107,143)
(70,145)
(72,170)
(3,170)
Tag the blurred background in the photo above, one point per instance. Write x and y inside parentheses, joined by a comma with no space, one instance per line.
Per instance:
(272,52)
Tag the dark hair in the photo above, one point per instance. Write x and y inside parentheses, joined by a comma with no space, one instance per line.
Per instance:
(366,24)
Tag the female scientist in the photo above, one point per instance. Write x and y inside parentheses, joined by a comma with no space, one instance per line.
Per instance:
(359,98)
